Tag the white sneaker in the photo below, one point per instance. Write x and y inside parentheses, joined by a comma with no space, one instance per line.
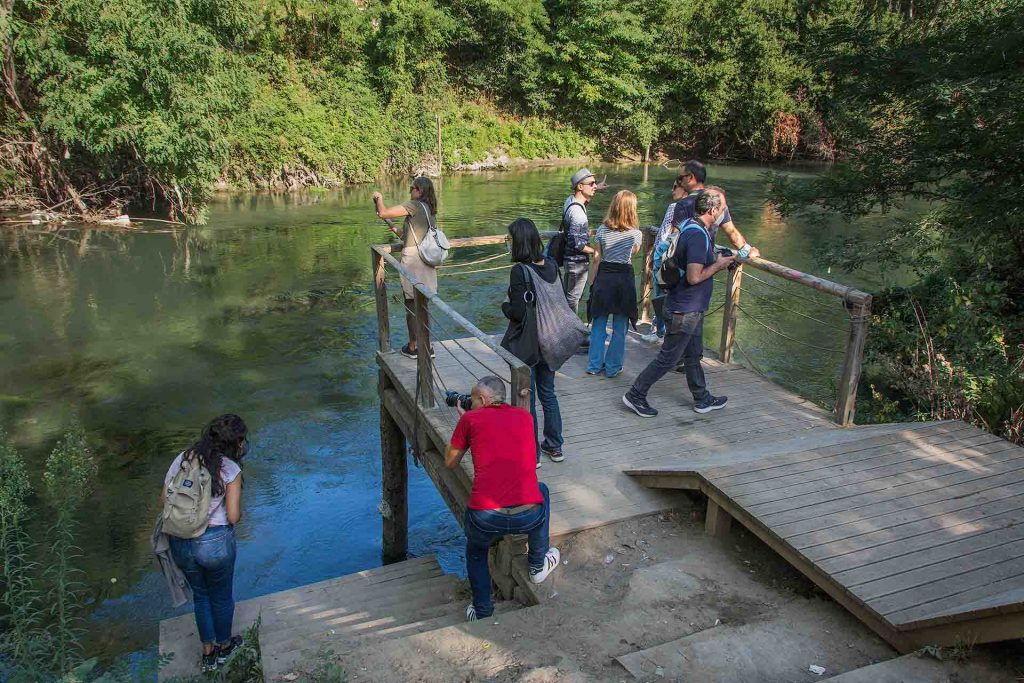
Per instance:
(650,337)
(470,612)
(538,464)
(551,560)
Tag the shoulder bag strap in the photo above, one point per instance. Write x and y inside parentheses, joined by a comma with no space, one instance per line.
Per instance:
(430,222)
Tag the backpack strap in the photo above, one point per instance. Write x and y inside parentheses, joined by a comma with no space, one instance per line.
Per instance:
(563,227)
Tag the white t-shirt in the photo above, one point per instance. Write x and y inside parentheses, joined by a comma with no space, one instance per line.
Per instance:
(229,470)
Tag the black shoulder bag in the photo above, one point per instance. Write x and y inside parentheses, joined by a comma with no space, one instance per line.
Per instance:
(521,338)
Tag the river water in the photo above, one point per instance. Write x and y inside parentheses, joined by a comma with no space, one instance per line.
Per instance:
(266,311)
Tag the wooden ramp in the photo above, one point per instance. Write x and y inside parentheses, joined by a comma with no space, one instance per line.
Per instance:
(602,436)
(916,531)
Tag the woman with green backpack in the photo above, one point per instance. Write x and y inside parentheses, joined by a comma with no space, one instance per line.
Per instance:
(202,501)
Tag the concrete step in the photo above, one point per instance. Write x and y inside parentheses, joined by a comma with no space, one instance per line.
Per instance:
(441,653)
(179,637)
(921,668)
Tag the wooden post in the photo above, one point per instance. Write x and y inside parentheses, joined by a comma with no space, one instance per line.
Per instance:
(394,506)
(729,313)
(440,164)
(846,398)
(380,293)
(520,386)
(717,521)
(646,278)
(424,366)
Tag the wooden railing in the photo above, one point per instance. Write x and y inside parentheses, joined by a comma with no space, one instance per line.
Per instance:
(858,304)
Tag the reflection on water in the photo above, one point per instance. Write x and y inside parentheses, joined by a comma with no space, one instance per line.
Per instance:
(266,312)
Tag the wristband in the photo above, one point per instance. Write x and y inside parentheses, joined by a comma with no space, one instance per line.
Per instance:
(744,252)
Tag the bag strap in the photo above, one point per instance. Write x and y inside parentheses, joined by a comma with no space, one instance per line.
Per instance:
(430,223)
(528,278)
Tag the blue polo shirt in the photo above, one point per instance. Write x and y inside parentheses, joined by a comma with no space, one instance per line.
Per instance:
(695,246)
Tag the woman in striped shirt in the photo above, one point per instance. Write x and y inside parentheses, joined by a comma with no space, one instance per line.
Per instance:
(613,292)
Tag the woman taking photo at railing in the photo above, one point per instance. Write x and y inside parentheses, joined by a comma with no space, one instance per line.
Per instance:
(613,292)
(543,331)
(420,214)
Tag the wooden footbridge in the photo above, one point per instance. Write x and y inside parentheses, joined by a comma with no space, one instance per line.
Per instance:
(914,528)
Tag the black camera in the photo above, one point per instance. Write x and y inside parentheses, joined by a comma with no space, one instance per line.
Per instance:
(454,398)
(724,251)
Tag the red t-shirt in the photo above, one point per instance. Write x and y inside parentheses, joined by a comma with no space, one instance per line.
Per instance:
(504,456)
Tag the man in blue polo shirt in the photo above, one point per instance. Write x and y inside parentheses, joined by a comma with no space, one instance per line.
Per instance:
(685,307)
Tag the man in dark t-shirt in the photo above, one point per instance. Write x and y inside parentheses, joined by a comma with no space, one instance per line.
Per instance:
(685,307)
(506,497)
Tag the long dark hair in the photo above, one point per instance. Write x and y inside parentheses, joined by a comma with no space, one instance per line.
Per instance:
(526,245)
(223,437)
(427,194)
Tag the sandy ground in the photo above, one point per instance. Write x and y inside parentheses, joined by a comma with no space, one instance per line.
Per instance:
(747,616)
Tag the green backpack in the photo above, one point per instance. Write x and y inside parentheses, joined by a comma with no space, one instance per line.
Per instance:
(187,502)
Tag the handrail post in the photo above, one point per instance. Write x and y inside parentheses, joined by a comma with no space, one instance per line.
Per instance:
(380,294)
(394,506)
(730,312)
(646,278)
(424,366)
(846,399)
(520,386)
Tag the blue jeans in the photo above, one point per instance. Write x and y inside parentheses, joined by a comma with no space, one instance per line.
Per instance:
(610,361)
(542,385)
(208,563)
(684,340)
(659,324)
(483,527)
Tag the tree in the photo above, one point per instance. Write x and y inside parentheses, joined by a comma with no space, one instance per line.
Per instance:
(943,121)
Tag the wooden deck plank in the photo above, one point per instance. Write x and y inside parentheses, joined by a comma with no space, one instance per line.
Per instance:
(739,474)
(894,564)
(960,558)
(968,506)
(989,489)
(950,591)
(857,461)
(1010,459)
(975,516)
(886,466)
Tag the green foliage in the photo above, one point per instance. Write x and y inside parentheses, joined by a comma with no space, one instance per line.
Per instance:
(153,99)
(941,118)
(41,609)
(21,637)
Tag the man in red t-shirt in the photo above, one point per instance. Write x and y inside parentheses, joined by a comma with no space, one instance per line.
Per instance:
(506,497)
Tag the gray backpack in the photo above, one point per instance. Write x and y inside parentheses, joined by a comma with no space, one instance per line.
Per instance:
(187,500)
(433,249)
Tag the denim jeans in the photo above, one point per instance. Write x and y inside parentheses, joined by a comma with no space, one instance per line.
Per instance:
(610,360)
(684,338)
(208,563)
(483,527)
(659,322)
(542,384)
(576,273)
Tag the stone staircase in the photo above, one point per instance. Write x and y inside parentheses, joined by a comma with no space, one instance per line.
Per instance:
(337,615)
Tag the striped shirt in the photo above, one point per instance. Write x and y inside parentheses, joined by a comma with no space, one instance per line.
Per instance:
(617,245)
